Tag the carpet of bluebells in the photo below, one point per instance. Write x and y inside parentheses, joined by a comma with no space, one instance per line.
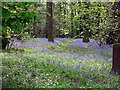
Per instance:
(65,63)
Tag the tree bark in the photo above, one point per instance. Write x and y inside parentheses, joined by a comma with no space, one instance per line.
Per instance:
(59,16)
(80,28)
(35,31)
(116,53)
(116,45)
(72,16)
(116,59)
(4,42)
(116,9)
(86,32)
(86,36)
(64,23)
(49,23)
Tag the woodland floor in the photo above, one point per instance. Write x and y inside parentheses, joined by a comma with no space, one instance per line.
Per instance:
(66,63)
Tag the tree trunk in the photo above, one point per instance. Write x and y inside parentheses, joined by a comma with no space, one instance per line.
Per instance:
(86,32)
(72,16)
(4,40)
(80,28)
(35,32)
(86,36)
(116,53)
(72,31)
(59,16)
(116,45)
(116,9)
(49,23)
(35,27)
(64,23)
(116,59)
(4,44)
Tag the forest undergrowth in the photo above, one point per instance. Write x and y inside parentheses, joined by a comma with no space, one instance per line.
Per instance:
(66,63)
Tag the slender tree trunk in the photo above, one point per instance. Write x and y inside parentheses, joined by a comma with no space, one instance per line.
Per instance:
(72,31)
(49,23)
(35,28)
(59,16)
(64,23)
(46,31)
(79,26)
(75,26)
(72,16)
(86,31)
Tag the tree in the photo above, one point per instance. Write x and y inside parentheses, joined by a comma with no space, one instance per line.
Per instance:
(49,23)
(87,25)
(116,37)
(72,23)
(35,23)
(15,18)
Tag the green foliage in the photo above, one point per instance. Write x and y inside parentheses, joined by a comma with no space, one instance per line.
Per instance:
(75,18)
(70,19)
(15,17)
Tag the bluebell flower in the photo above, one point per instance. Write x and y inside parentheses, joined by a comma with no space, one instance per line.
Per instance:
(77,67)
(48,60)
(13,39)
(84,72)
